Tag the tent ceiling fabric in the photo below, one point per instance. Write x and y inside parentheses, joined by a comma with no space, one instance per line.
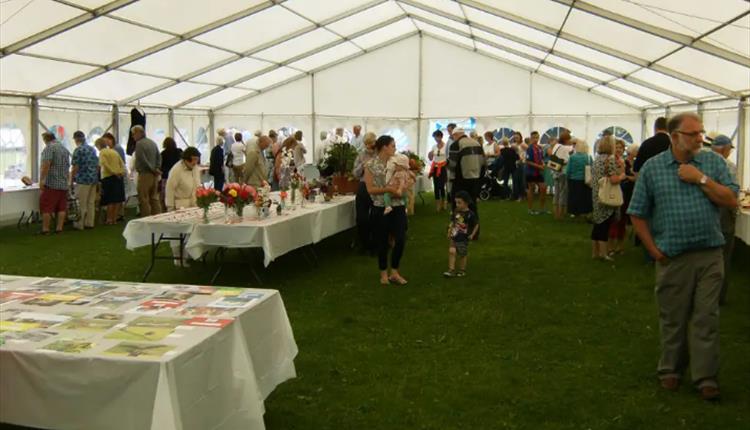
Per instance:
(644,53)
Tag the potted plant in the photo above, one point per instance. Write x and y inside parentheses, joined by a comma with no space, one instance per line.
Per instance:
(338,164)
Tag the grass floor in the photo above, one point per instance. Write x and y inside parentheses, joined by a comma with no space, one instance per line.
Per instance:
(537,336)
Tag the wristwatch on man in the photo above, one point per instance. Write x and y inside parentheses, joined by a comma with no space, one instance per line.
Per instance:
(704,180)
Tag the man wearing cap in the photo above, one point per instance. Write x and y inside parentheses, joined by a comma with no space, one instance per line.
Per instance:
(85,174)
(675,212)
(722,145)
(53,182)
(468,164)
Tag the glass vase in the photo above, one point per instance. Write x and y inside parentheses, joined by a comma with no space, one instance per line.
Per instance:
(238,210)
(205,215)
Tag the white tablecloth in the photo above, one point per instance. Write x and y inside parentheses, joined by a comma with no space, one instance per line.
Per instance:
(17,200)
(277,235)
(742,229)
(212,378)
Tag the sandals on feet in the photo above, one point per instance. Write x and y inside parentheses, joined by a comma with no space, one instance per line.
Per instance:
(398,280)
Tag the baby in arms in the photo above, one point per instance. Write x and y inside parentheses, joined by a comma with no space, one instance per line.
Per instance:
(398,175)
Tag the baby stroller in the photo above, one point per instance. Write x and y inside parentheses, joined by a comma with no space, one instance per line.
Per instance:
(492,185)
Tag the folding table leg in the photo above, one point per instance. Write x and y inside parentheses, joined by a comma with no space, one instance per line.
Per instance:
(154,245)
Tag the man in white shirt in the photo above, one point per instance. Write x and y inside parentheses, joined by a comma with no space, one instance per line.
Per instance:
(358,141)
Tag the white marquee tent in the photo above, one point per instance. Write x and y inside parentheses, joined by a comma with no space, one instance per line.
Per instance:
(401,67)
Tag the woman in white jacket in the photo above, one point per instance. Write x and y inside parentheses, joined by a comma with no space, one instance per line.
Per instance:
(184,179)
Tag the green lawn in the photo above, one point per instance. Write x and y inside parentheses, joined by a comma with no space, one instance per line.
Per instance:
(537,336)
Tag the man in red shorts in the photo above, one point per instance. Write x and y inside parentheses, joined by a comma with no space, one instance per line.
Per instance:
(54,180)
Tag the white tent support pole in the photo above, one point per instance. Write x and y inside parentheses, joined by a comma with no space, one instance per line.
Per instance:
(170,122)
(262,125)
(287,62)
(668,112)
(530,118)
(65,26)
(743,141)
(572,72)
(75,100)
(116,121)
(562,68)
(319,69)
(164,45)
(351,12)
(419,95)
(700,109)
(547,75)
(644,125)
(672,36)
(314,136)
(584,42)
(34,139)
(211,126)
(588,123)
(254,51)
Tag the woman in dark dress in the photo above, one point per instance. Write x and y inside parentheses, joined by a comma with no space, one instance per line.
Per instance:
(170,155)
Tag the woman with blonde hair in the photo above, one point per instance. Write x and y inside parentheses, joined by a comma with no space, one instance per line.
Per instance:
(603,215)
(112,173)
(579,193)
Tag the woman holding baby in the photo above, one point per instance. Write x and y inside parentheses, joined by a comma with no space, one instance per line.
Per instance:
(389,211)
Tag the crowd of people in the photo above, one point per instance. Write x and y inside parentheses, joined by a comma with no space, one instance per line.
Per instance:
(679,196)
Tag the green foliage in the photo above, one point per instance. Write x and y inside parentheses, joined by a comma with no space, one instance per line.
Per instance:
(338,160)
(537,336)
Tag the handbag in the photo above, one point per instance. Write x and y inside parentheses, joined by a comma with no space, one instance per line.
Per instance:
(556,163)
(609,194)
(74,208)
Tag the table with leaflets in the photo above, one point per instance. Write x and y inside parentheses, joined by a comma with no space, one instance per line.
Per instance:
(275,234)
(83,354)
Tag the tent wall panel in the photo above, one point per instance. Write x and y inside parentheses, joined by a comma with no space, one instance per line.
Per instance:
(294,98)
(384,83)
(550,97)
(15,144)
(597,124)
(457,82)
(249,123)
(192,130)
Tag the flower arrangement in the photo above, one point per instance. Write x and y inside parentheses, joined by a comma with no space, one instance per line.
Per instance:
(237,196)
(204,197)
(338,160)
(416,163)
(286,168)
(325,187)
(295,182)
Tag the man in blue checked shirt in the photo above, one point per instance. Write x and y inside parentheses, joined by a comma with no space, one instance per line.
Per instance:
(675,212)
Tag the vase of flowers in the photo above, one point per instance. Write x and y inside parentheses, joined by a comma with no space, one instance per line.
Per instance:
(416,163)
(338,163)
(204,197)
(295,182)
(282,198)
(237,196)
